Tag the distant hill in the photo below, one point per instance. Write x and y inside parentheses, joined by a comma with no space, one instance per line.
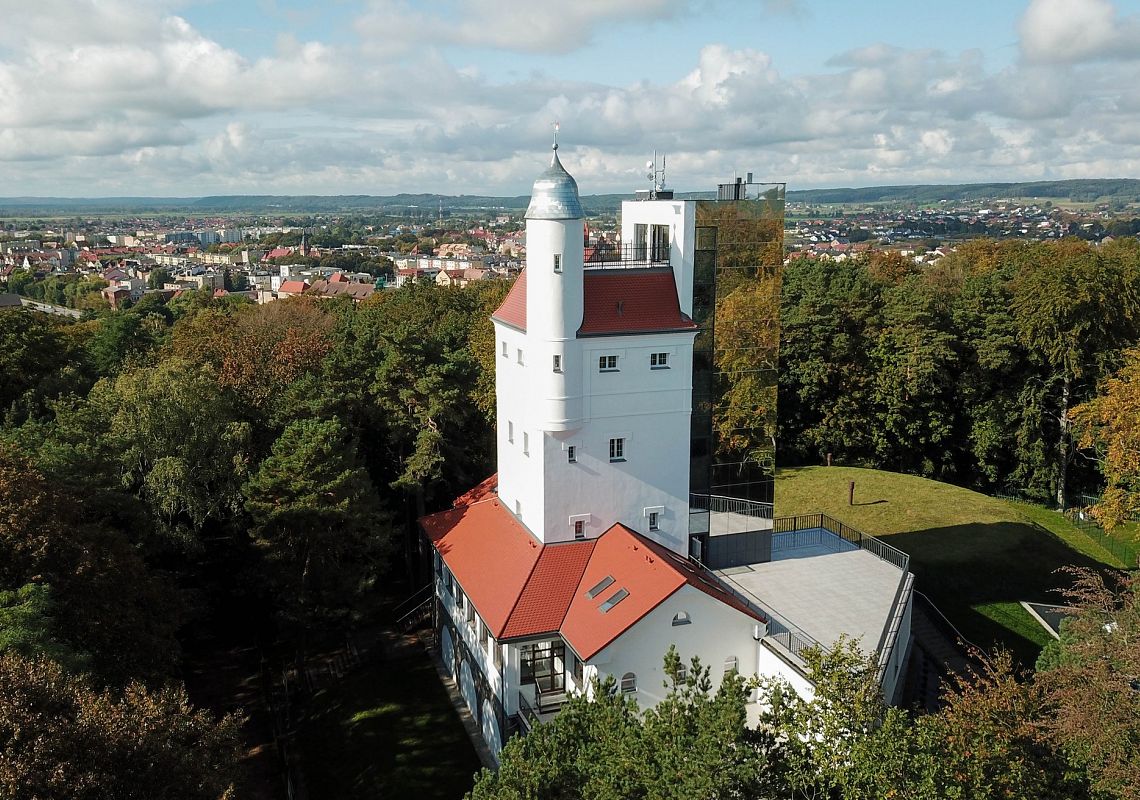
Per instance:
(1113,189)
(1123,189)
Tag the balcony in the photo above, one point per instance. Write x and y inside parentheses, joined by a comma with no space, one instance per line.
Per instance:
(627,255)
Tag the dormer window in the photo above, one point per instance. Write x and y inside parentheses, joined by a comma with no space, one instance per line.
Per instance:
(558,262)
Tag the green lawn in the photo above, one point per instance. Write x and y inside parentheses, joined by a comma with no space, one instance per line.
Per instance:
(387,731)
(975,556)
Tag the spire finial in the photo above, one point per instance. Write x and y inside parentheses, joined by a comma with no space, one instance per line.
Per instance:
(555,135)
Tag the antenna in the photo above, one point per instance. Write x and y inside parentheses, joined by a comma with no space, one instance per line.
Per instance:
(656,175)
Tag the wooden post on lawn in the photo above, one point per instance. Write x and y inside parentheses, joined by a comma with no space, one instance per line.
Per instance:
(851,493)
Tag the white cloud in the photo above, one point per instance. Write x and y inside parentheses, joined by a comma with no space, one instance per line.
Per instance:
(152,105)
(1067,31)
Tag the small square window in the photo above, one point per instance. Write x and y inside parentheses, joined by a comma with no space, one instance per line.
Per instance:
(557,262)
(557,363)
(659,360)
(572,454)
(607,363)
(617,449)
(654,521)
(579,529)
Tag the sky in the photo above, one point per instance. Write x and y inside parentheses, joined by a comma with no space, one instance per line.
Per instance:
(200,97)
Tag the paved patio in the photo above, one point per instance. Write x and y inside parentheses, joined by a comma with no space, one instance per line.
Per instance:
(824,585)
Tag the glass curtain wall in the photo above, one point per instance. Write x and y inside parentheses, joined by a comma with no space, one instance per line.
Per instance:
(738,260)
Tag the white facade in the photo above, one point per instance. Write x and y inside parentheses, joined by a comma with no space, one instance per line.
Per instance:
(678,218)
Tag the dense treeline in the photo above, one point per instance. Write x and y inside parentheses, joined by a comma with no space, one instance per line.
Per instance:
(211,459)
(965,370)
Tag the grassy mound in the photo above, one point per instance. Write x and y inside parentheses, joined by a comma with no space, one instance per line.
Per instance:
(975,557)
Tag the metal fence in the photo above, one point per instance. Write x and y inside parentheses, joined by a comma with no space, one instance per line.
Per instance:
(1125,551)
(730,505)
(627,255)
(864,541)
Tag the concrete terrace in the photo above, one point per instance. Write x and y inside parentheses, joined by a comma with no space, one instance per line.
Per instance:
(824,585)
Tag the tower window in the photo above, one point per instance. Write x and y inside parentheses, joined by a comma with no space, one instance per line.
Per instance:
(654,521)
(579,529)
(617,449)
(607,364)
(518,508)
(505,350)
(526,443)
(510,432)
(659,361)
(557,363)
(557,262)
(520,357)
(572,454)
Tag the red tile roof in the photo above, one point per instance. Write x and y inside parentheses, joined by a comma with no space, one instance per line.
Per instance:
(293,287)
(548,591)
(513,309)
(616,301)
(490,553)
(521,588)
(631,301)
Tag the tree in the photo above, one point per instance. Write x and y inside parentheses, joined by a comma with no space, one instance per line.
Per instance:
(694,744)
(158,278)
(1110,423)
(60,738)
(28,626)
(1091,676)
(317,520)
(104,601)
(1072,306)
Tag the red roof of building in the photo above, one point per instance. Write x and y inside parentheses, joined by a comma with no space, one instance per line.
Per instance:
(617,301)
(490,553)
(549,590)
(631,301)
(513,309)
(521,588)
(293,287)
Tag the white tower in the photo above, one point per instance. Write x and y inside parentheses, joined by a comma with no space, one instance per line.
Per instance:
(593,385)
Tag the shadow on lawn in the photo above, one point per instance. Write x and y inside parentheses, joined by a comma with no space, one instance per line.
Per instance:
(963,567)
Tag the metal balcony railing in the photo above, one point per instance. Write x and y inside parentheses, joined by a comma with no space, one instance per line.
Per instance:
(864,541)
(627,255)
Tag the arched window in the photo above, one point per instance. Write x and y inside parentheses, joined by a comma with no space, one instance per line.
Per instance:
(681,618)
(628,683)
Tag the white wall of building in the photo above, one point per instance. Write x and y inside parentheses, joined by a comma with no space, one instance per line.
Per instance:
(679,216)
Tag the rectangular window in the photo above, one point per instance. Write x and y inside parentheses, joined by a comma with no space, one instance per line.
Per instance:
(471,617)
(447,583)
(654,521)
(520,358)
(571,454)
(458,598)
(607,364)
(510,432)
(600,587)
(518,508)
(659,360)
(579,529)
(579,672)
(557,262)
(613,600)
(557,363)
(497,654)
(526,443)
(504,350)
(617,449)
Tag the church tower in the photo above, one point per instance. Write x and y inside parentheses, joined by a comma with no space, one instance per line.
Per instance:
(593,385)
